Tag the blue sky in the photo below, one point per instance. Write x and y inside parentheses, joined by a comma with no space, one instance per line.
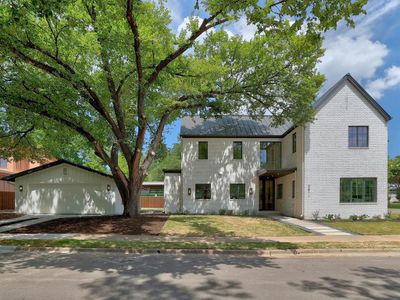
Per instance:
(370,52)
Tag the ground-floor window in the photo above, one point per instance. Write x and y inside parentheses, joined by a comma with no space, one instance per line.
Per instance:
(279,193)
(293,189)
(357,190)
(237,191)
(203,191)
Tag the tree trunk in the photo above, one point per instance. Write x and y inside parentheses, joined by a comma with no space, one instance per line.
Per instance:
(132,202)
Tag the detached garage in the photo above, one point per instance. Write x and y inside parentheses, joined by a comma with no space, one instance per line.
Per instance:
(62,187)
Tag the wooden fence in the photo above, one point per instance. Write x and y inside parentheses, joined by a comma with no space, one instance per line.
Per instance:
(7,200)
(151,202)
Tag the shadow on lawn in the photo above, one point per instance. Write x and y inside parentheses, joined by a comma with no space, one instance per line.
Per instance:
(145,277)
(378,284)
(200,226)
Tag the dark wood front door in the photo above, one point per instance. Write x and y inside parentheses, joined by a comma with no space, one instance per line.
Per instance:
(267,194)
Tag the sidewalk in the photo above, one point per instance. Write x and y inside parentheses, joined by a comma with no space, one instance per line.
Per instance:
(115,237)
(30,220)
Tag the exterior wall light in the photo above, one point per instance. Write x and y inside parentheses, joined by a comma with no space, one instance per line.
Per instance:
(251,191)
(21,188)
(108,187)
(189,191)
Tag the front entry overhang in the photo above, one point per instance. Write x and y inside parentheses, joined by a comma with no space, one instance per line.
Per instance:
(269,174)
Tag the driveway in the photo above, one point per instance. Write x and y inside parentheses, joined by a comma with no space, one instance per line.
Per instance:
(115,276)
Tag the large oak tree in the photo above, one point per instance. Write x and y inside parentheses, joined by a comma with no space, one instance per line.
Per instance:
(104,77)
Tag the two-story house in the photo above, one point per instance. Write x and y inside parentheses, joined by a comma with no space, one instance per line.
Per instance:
(336,164)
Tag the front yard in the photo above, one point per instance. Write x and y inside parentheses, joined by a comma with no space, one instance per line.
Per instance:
(394,205)
(213,225)
(177,225)
(390,226)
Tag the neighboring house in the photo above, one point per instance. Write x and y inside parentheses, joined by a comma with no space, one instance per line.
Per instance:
(334,165)
(8,167)
(62,187)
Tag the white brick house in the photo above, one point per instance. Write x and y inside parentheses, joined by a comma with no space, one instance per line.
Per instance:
(334,165)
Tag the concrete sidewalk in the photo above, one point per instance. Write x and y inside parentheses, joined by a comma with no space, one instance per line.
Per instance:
(132,238)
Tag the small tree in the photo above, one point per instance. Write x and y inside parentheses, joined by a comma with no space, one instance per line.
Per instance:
(106,77)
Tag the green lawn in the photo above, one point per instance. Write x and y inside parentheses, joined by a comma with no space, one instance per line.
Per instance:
(214,225)
(369,227)
(160,245)
(394,205)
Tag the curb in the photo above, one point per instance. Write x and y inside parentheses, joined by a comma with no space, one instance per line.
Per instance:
(261,253)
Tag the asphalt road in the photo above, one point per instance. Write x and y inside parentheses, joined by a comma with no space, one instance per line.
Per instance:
(115,276)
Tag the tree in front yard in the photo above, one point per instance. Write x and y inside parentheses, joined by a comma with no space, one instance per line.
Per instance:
(104,78)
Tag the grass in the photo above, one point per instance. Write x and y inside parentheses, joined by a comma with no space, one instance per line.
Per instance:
(214,225)
(235,245)
(394,205)
(390,226)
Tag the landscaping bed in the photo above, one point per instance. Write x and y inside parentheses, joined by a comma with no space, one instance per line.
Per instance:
(215,225)
(7,216)
(145,224)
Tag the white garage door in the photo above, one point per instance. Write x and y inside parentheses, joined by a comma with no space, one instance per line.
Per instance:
(68,199)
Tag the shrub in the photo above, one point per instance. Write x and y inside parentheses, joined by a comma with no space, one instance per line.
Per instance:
(315,215)
(362,217)
(329,217)
(398,194)
(222,212)
(229,212)
(353,217)
(245,212)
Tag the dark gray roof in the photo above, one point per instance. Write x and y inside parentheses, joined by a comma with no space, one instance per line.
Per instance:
(232,126)
(336,87)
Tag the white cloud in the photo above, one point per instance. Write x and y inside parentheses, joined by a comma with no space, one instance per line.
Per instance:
(241,27)
(355,50)
(391,79)
(360,56)
(175,9)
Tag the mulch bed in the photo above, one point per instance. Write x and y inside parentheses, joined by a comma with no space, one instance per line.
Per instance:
(148,224)
(7,216)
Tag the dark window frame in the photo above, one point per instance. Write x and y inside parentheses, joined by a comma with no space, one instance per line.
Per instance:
(355,138)
(276,160)
(237,194)
(206,193)
(279,191)
(200,156)
(294,142)
(358,190)
(241,149)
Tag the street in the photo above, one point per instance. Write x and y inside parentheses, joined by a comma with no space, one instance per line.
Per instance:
(26,275)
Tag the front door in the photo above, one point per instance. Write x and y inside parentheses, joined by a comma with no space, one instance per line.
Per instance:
(267,195)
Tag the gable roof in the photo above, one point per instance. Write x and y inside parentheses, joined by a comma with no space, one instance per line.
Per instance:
(336,87)
(50,165)
(232,126)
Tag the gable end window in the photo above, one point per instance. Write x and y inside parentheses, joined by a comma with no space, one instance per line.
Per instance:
(203,191)
(358,137)
(357,190)
(237,191)
(294,143)
(203,150)
(279,192)
(237,150)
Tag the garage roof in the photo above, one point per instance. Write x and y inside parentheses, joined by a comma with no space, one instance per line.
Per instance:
(50,165)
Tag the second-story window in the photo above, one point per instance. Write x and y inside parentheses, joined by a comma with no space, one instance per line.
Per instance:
(294,143)
(270,155)
(3,163)
(237,150)
(358,136)
(203,150)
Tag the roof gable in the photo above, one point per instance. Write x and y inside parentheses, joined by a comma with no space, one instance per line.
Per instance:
(336,87)
(50,165)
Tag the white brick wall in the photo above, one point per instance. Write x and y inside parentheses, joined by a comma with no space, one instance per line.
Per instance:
(327,157)
(220,169)
(172,192)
